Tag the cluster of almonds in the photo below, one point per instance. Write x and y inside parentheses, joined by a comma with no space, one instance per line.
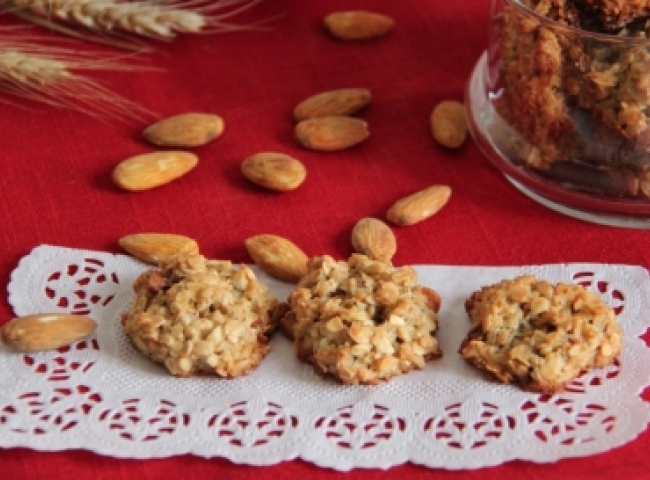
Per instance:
(151,170)
(448,123)
(325,122)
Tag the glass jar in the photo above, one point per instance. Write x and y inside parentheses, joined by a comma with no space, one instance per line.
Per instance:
(564,112)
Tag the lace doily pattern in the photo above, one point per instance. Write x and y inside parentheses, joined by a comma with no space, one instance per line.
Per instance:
(100,394)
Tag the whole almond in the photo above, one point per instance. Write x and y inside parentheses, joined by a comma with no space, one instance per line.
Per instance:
(274,171)
(150,170)
(185,130)
(158,247)
(448,124)
(375,239)
(344,101)
(358,25)
(419,206)
(278,257)
(330,134)
(46,331)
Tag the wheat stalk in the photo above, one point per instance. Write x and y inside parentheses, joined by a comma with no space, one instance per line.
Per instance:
(47,74)
(158,19)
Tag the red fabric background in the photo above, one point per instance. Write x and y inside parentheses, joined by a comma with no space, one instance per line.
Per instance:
(56,187)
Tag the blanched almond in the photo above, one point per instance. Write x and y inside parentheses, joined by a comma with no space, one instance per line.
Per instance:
(46,331)
(358,25)
(344,101)
(157,247)
(278,257)
(185,130)
(419,206)
(151,170)
(331,133)
(274,171)
(375,239)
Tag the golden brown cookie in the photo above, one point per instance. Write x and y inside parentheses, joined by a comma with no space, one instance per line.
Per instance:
(197,315)
(576,111)
(539,335)
(362,321)
(615,14)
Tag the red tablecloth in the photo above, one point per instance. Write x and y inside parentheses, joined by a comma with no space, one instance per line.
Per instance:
(56,185)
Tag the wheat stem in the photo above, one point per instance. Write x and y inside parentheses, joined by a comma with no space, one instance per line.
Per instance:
(47,75)
(114,40)
(159,19)
(142,18)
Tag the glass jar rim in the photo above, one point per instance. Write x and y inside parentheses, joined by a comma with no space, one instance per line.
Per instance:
(605,37)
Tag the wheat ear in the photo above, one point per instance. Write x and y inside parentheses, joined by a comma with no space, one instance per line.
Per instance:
(46,74)
(159,19)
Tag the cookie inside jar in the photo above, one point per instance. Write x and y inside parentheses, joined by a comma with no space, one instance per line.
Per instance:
(570,84)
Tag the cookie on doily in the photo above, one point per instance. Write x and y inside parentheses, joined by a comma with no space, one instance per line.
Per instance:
(362,321)
(196,315)
(539,335)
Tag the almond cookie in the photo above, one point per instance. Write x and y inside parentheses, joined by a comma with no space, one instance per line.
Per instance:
(196,315)
(361,321)
(539,335)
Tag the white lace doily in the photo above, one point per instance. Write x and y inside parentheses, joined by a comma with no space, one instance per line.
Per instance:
(102,395)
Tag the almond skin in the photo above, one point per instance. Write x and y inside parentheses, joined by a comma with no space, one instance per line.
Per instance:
(358,25)
(449,124)
(185,130)
(158,247)
(274,171)
(329,134)
(341,102)
(151,170)
(278,257)
(419,206)
(375,239)
(45,331)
